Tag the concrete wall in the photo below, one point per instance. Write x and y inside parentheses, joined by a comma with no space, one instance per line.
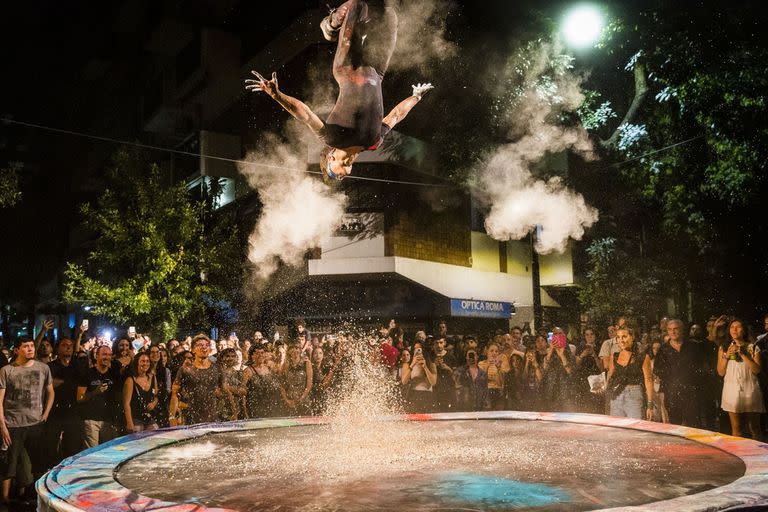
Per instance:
(519,258)
(556,268)
(485,253)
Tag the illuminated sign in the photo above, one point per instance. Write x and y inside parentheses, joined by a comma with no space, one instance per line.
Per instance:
(481,308)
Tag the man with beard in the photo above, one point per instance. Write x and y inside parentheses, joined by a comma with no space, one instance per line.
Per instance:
(199,383)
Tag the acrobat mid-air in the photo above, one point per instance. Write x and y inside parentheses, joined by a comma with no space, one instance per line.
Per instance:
(366,32)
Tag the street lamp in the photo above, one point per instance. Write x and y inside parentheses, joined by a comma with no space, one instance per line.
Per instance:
(583,25)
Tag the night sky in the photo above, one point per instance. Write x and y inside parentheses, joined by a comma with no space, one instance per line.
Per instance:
(82,66)
(78,66)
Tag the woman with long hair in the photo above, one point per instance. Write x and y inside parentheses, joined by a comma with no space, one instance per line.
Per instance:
(123,354)
(140,395)
(628,372)
(660,412)
(740,365)
(163,375)
(319,370)
(419,376)
(261,387)
(296,378)
(230,403)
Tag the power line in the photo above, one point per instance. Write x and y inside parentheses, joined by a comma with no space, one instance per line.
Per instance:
(279,167)
(201,155)
(665,148)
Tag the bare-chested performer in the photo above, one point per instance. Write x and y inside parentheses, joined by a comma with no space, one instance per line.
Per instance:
(366,32)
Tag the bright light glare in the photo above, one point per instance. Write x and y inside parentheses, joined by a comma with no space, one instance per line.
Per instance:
(583,25)
(108,335)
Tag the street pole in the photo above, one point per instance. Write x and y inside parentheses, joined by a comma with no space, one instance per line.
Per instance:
(536,283)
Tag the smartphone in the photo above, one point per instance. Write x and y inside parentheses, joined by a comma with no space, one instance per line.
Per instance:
(559,340)
(132,331)
(84,324)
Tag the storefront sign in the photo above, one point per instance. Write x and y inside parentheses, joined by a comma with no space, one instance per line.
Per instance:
(481,308)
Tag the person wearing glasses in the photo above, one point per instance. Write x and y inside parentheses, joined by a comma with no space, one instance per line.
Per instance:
(366,32)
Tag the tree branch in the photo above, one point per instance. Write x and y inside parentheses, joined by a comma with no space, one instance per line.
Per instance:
(641,91)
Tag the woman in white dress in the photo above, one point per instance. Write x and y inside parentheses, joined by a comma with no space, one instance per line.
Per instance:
(739,363)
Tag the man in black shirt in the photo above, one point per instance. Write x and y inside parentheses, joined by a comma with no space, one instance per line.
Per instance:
(63,431)
(762,344)
(97,394)
(679,365)
(366,32)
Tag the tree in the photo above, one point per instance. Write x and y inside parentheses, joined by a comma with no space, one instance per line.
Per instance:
(705,72)
(158,257)
(9,185)
(699,97)
(618,284)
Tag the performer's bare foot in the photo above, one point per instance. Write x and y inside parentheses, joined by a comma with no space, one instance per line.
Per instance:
(338,16)
(332,23)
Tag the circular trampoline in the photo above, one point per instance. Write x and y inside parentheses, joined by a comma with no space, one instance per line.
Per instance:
(457,461)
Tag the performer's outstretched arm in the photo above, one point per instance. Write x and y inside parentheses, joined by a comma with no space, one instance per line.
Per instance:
(295,107)
(401,110)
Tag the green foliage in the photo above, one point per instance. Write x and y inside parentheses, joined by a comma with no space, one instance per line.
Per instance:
(618,284)
(706,74)
(592,115)
(9,185)
(152,243)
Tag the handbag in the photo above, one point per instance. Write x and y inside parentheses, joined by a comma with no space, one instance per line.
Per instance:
(596,383)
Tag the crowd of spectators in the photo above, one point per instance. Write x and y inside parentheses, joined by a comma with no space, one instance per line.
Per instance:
(56,400)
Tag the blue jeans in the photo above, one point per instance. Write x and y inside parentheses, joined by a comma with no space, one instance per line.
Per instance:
(629,403)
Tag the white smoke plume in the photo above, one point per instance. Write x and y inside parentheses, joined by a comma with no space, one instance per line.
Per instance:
(519,203)
(421,33)
(298,209)
(542,87)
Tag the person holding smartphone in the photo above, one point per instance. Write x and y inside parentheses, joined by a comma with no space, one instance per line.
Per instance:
(496,366)
(43,347)
(471,383)
(97,398)
(419,376)
(557,369)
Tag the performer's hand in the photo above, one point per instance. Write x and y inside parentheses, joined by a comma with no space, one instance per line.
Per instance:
(262,84)
(420,90)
